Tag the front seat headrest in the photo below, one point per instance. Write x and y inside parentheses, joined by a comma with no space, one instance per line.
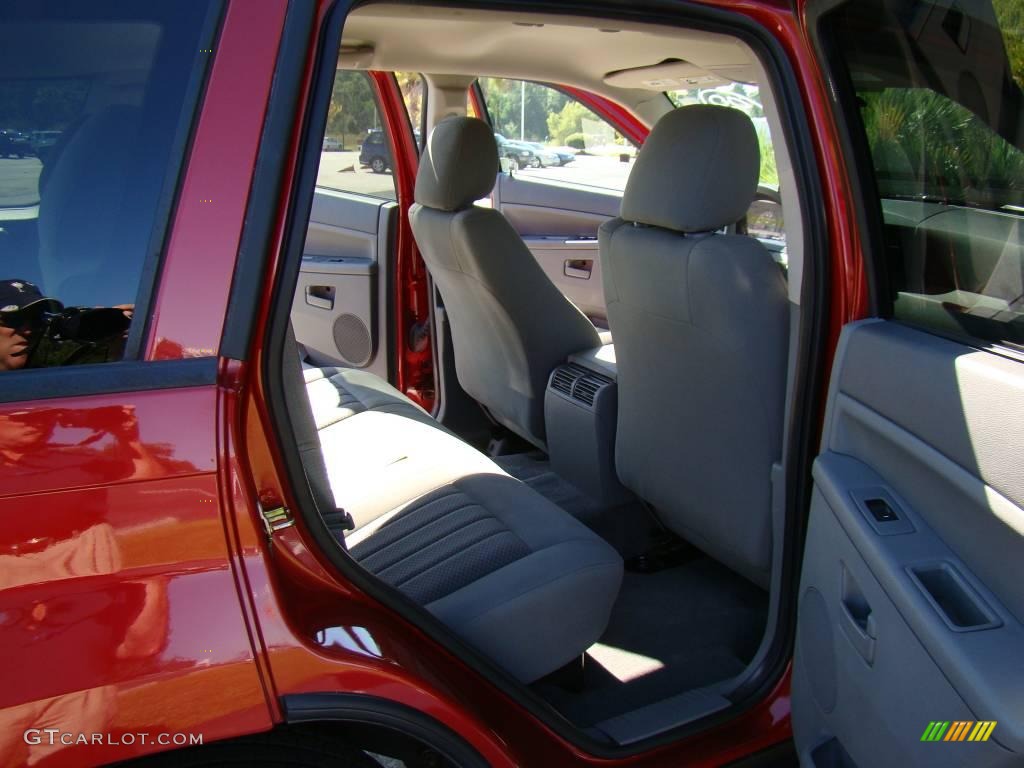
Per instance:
(458,166)
(697,171)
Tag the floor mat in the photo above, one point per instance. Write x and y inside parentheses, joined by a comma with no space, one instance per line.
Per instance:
(670,631)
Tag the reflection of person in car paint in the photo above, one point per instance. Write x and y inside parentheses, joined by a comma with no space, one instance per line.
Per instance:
(22,308)
(38,332)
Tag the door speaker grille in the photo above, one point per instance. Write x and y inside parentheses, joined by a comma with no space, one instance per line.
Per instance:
(352,339)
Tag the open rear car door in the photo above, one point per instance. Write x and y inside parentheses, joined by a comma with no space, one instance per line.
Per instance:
(910,644)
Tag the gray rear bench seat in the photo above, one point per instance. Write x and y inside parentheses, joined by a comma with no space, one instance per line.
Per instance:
(503,567)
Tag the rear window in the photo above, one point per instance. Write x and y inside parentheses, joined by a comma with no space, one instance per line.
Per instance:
(937,91)
(96,105)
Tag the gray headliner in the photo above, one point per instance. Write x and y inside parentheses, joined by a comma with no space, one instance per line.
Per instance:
(453,46)
(564,49)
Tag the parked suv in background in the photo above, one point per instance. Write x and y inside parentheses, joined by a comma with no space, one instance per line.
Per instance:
(375,152)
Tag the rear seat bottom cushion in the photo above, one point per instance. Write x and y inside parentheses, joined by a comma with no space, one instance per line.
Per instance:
(503,567)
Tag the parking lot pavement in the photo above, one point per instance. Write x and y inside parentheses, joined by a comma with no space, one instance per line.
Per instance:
(19,181)
(607,172)
(19,178)
(341,170)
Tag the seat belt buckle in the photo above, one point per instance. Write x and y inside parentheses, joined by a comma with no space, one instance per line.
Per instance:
(340,519)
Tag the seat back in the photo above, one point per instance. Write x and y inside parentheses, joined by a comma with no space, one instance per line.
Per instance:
(700,327)
(510,325)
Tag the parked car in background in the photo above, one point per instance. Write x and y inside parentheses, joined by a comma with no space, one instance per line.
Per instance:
(14,144)
(332,144)
(519,155)
(549,157)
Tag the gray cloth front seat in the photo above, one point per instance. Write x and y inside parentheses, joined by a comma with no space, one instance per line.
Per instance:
(700,326)
(510,325)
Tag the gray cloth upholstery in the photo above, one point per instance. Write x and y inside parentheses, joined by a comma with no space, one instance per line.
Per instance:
(510,324)
(338,393)
(697,171)
(504,568)
(700,325)
(459,164)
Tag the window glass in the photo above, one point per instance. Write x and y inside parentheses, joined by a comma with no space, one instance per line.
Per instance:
(95,104)
(545,135)
(356,154)
(414,91)
(937,90)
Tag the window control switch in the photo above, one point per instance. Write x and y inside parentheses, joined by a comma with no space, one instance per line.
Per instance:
(880,510)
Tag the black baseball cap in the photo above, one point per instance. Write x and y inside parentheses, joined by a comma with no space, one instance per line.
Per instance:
(20,300)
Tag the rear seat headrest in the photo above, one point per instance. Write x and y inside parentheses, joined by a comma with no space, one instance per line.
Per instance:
(458,166)
(697,171)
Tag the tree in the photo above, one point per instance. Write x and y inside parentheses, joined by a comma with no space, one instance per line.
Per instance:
(352,109)
(567,121)
(517,110)
(411,86)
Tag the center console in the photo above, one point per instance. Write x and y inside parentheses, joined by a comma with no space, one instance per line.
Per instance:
(580,411)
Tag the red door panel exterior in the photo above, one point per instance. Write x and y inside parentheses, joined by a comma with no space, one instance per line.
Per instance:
(118,606)
(120,609)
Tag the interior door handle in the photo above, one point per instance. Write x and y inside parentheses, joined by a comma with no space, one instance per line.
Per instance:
(579,268)
(857,618)
(861,634)
(321,296)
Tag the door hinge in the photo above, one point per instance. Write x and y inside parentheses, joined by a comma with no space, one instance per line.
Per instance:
(276,518)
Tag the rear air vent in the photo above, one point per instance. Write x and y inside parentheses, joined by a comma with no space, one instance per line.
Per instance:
(579,383)
(564,377)
(586,388)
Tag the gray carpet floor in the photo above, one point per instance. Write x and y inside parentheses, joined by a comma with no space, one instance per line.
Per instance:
(682,628)
(670,631)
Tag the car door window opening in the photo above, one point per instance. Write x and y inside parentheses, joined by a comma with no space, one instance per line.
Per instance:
(506,217)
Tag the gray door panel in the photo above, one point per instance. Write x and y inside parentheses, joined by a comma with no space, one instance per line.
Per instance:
(575,267)
(559,225)
(910,601)
(563,196)
(338,308)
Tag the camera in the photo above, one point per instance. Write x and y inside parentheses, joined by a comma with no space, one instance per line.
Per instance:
(87,324)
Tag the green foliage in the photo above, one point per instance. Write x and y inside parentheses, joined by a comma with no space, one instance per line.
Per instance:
(567,121)
(412,87)
(522,110)
(769,172)
(1010,14)
(576,141)
(923,143)
(353,109)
